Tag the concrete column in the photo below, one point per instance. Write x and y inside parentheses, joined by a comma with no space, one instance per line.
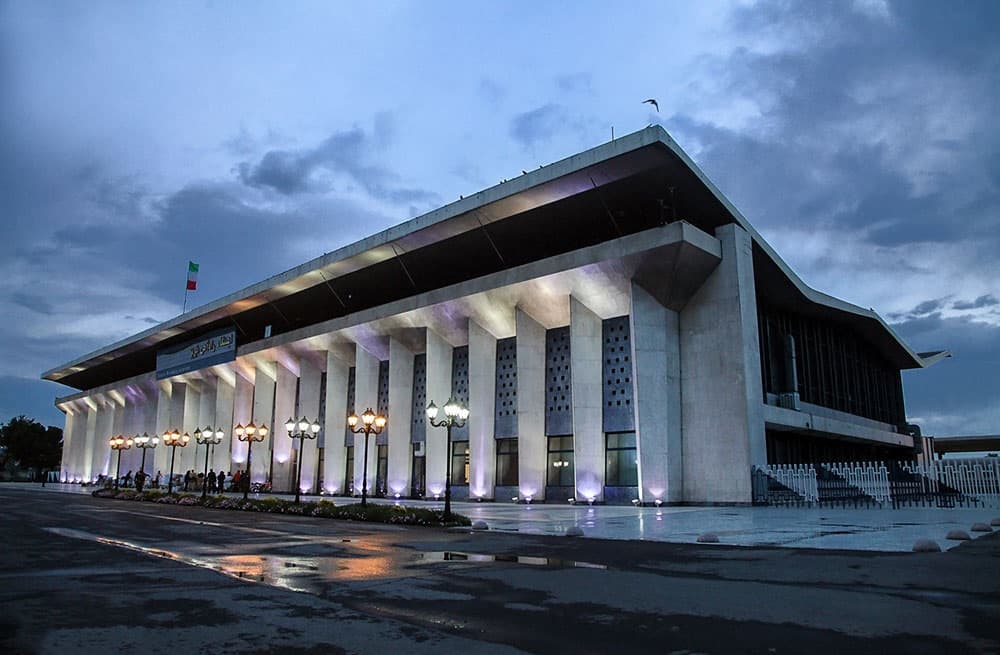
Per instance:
(309,380)
(438,388)
(223,418)
(187,455)
(85,452)
(401,417)
(263,413)
(164,403)
(242,415)
(531,442)
(99,454)
(67,445)
(206,418)
(482,398)
(720,378)
(586,352)
(284,409)
(657,407)
(127,420)
(334,452)
(365,396)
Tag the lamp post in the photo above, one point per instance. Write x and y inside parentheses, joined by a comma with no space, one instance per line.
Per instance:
(371,423)
(174,440)
(250,434)
(120,443)
(207,437)
(455,415)
(301,430)
(145,442)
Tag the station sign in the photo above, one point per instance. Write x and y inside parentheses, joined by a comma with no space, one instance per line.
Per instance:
(209,350)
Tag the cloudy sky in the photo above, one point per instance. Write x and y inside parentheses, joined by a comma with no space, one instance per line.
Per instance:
(861,139)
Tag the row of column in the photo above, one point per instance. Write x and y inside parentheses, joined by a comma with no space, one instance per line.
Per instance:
(696,389)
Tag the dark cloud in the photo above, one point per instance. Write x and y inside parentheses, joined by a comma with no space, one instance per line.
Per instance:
(848,135)
(538,125)
(292,172)
(987,300)
(574,83)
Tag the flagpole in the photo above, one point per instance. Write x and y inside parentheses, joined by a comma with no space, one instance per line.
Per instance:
(185,299)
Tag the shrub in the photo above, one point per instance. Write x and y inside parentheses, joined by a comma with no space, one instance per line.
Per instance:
(373,513)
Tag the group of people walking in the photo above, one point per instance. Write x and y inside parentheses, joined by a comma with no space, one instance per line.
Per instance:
(214,482)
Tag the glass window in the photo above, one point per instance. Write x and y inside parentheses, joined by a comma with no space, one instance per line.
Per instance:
(349,470)
(381,470)
(621,458)
(460,462)
(560,463)
(507,462)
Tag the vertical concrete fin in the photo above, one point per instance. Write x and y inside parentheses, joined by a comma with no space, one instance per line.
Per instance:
(482,397)
(310,378)
(720,378)
(531,441)
(225,394)
(365,396)
(657,407)
(334,451)
(439,353)
(401,415)
(263,413)
(286,383)
(585,334)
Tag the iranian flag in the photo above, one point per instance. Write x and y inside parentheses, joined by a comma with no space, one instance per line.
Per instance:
(192,276)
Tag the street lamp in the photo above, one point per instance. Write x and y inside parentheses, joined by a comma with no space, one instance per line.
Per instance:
(455,415)
(204,438)
(301,430)
(120,443)
(145,442)
(250,434)
(174,440)
(371,423)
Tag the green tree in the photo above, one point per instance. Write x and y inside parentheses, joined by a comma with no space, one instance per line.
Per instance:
(27,444)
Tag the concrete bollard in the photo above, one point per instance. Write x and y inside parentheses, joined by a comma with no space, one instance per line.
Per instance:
(480,525)
(708,538)
(574,531)
(980,527)
(926,546)
(958,535)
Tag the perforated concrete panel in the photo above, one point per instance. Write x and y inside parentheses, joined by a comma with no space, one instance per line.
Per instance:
(418,427)
(348,435)
(558,389)
(505,420)
(460,387)
(619,391)
(383,401)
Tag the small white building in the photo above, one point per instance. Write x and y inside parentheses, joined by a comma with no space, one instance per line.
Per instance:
(617,329)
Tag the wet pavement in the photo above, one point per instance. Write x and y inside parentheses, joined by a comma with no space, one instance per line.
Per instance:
(102,575)
(852,529)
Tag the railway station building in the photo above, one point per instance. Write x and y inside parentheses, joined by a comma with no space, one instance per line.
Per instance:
(616,328)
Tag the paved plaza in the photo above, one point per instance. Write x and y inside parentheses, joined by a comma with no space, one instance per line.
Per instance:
(82,574)
(848,529)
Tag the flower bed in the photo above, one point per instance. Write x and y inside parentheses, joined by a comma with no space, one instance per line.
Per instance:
(375,512)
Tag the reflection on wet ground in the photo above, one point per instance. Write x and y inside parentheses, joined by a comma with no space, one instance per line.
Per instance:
(452,556)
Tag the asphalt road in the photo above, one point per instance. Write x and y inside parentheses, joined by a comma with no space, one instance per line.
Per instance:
(83,575)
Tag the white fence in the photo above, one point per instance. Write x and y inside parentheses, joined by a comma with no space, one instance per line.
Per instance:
(800,478)
(976,480)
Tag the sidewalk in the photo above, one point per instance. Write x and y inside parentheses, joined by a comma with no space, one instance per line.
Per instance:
(849,529)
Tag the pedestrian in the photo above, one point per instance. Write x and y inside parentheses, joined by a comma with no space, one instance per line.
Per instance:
(222,482)
(156,481)
(140,480)
(187,479)
(236,480)
(128,479)
(211,480)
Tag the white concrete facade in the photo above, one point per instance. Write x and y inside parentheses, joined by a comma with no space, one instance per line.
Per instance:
(695,397)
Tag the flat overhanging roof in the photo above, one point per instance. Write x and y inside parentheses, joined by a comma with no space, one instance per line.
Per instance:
(971,444)
(621,187)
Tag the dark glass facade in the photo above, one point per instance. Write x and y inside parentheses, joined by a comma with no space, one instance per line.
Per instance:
(834,367)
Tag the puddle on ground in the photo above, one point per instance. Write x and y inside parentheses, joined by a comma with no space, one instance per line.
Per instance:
(453,556)
(295,573)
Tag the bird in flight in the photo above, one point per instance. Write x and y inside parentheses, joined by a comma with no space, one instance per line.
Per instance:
(653,102)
